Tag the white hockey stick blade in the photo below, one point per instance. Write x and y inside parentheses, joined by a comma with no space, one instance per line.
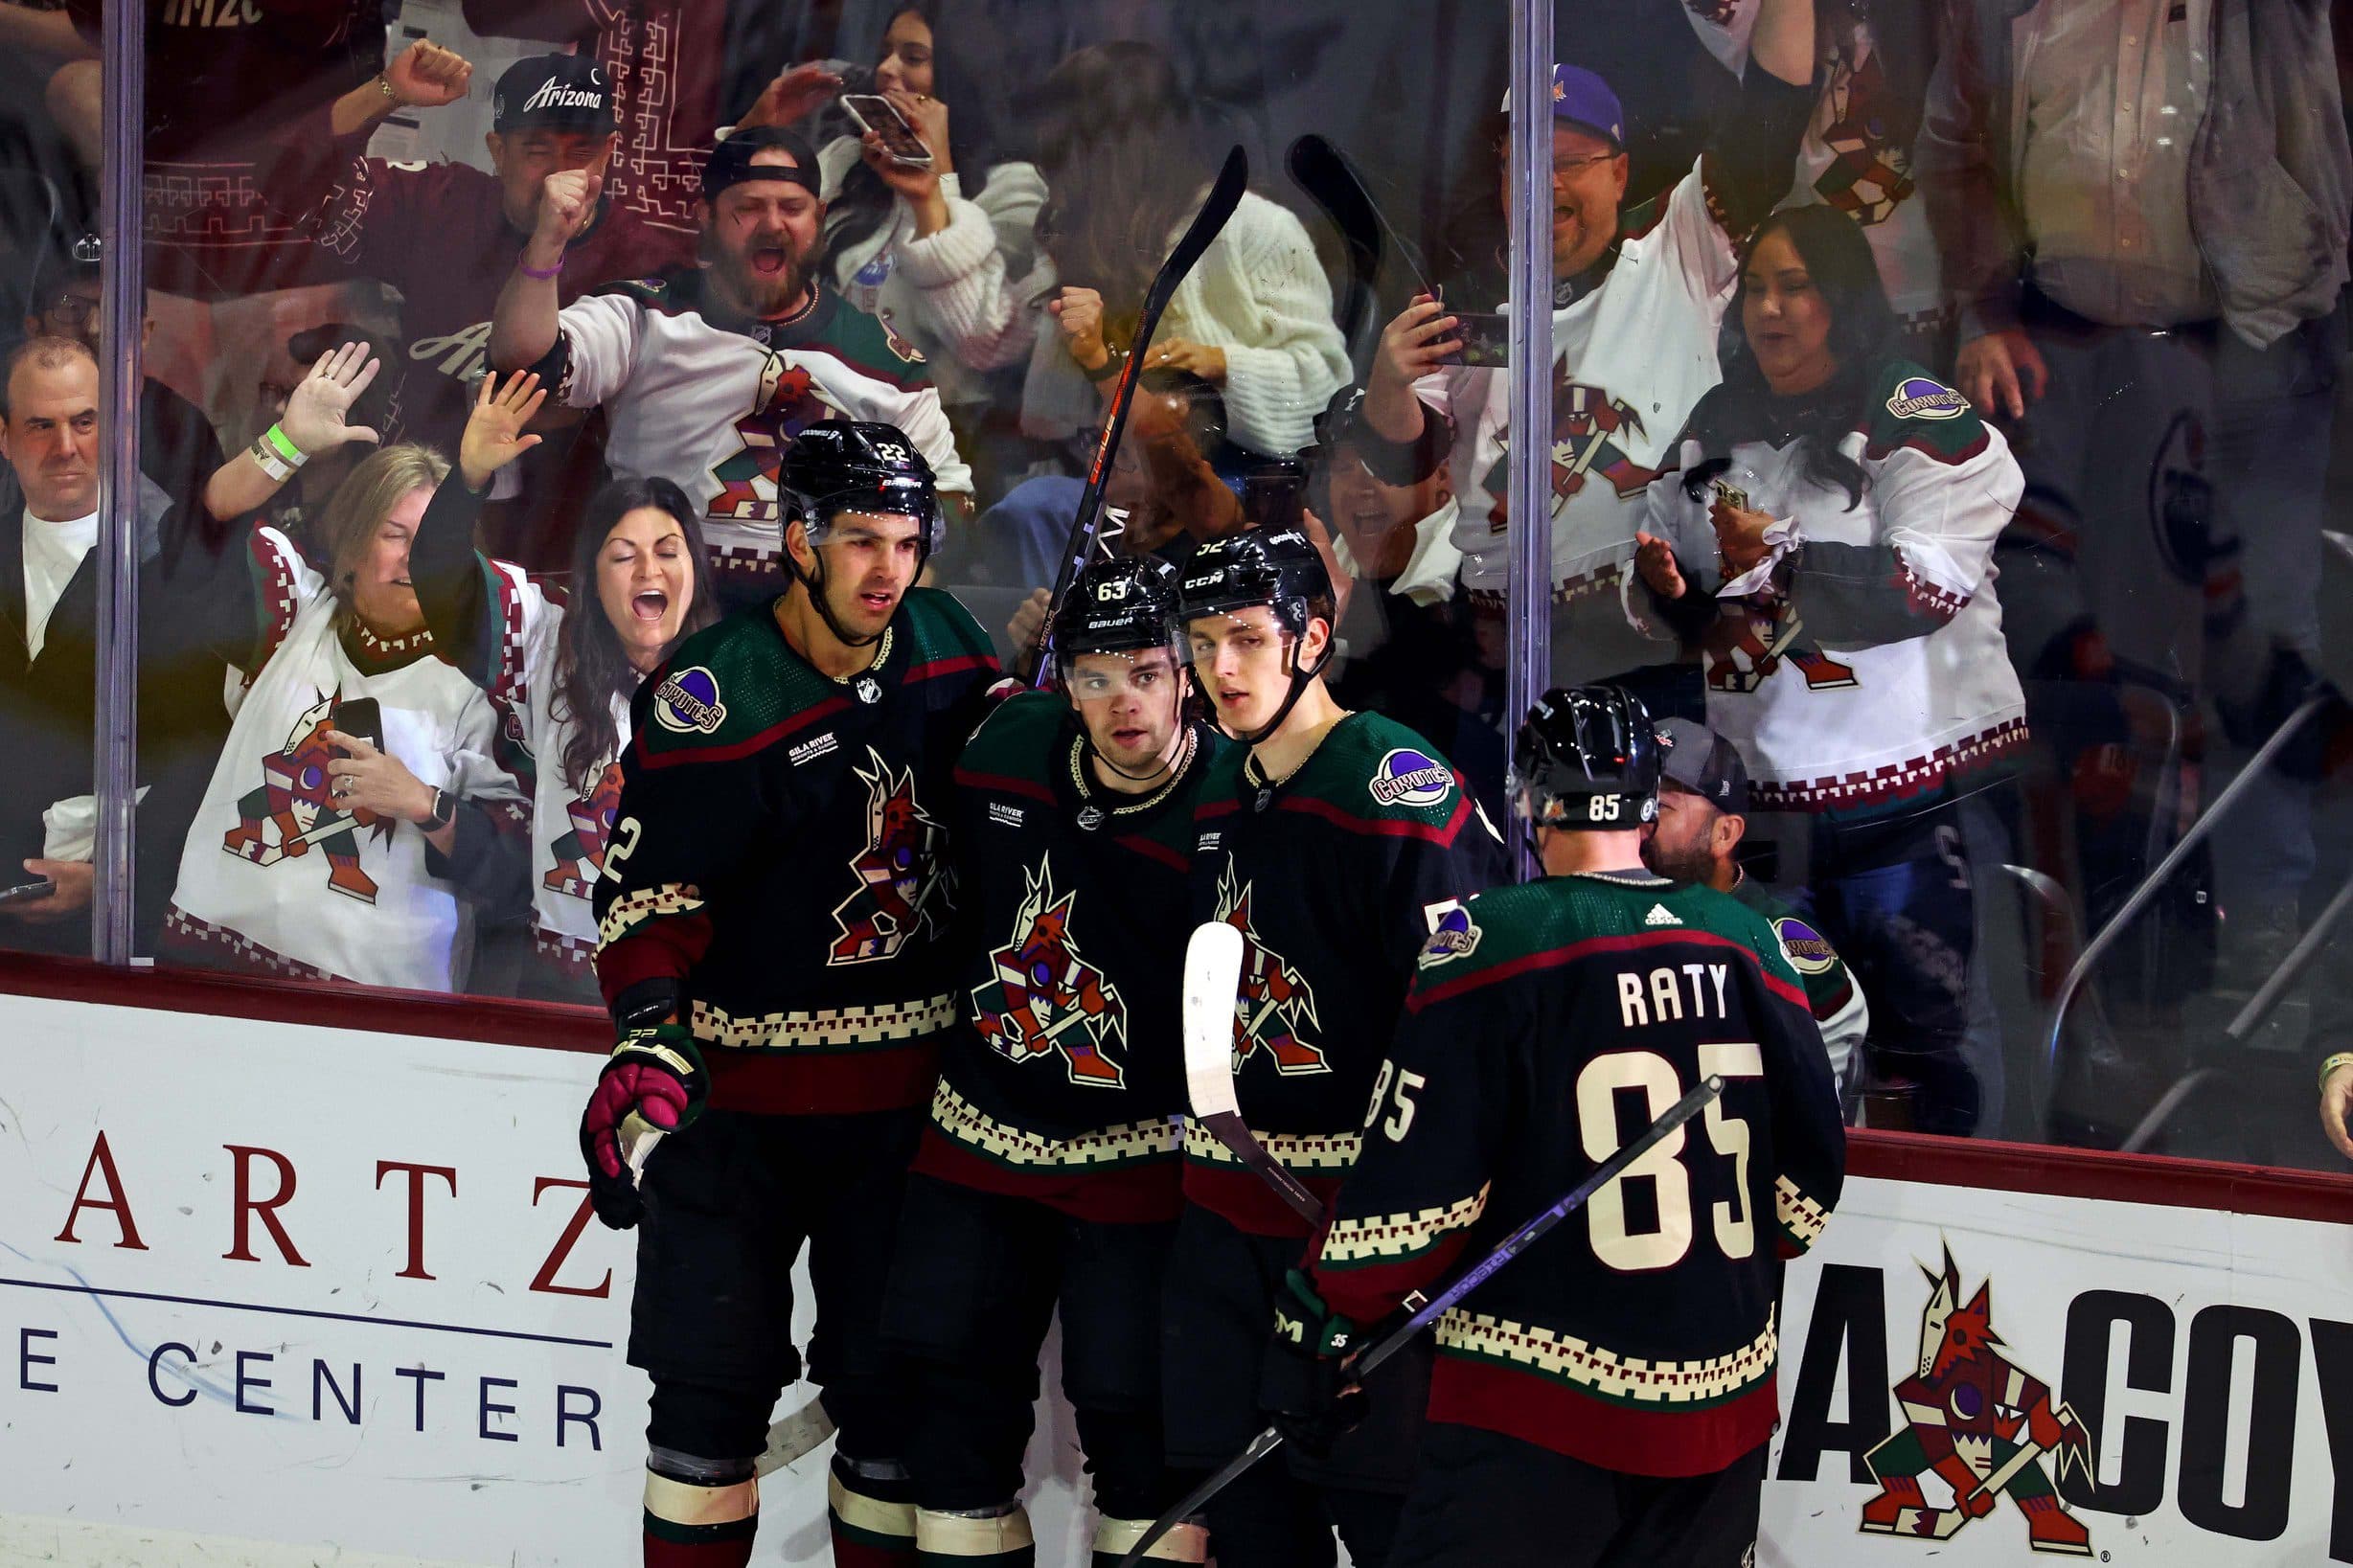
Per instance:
(795,1434)
(1213,980)
(638,1136)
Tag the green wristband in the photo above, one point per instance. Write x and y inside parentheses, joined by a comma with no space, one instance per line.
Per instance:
(2342,1059)
(284,449)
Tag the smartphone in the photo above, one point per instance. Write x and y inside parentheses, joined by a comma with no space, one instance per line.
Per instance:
(1729,495)
(880,115)
(361,717)
(1486,338)
(40,887)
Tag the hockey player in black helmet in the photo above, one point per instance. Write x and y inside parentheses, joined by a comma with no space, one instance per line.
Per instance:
(843,479)
(775,931)
(1609,1399)
(1336,842)
(1048,1174)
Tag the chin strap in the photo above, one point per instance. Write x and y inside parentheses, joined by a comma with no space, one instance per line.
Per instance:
(1299,679)
(814,585)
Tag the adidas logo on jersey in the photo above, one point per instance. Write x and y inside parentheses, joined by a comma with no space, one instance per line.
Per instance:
(1659,916)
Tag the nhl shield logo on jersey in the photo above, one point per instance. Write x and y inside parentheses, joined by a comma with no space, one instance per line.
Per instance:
(579,852)
(898,871)
(296,807)
(1979,1424)
(1917,397)
(1274,1001)
(787,402)
(1046,999)
(687,702)
(1406,777)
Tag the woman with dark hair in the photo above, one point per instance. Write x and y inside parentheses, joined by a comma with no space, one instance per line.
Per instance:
(1120,150)
(1825,542)
(892,230)
(562,679)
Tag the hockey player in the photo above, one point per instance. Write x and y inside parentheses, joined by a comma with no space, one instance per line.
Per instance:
(1638,294)
(1703,813)
(707,374)
(1337,842)
(1606,1398)
(1048,1175)
(771,915)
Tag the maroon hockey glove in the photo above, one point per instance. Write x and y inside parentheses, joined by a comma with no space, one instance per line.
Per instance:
(657,1073)
(1306,1388)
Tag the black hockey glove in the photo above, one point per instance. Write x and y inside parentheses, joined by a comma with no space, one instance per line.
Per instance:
(1306,1387)
(657,1073)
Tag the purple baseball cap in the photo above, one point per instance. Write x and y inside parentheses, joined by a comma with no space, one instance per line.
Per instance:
(1583,98)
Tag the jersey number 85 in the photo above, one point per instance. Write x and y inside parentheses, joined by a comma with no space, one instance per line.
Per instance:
(1664,1244)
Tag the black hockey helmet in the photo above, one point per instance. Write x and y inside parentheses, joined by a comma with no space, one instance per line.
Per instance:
(1118,605)
(1586,757)
(1278,567)
(837,466)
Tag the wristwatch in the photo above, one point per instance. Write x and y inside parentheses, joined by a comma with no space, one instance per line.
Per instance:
(444,810)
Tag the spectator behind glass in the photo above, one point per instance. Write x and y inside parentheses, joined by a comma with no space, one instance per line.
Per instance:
(1824,538)
(230,86)
(320,852)
(1120,152)
(638,551)
(707,374)
(892,230)
(2171,342)
(177,449)
(1696,837)
(1637,297)
(297,505)
(196,619)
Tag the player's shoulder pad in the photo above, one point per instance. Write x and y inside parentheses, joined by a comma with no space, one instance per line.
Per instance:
(874,346)
(721,685)
(1018,733)
(1470,935)
(1723,915)
(1802,943)
(1379,770)
(1908,407)
(944,631)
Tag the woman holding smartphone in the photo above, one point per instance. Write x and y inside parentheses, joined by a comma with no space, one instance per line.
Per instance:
(1824,540)
(640,582)
(915,200)
(358,818)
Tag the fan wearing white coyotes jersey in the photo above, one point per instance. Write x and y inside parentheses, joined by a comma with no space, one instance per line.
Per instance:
(1825,538)
(562,679)
(1639,296)
(706,375)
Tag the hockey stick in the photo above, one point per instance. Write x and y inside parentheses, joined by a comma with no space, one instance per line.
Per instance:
(1224,195)
(796,1433)
(1509,1248)
(1212,978)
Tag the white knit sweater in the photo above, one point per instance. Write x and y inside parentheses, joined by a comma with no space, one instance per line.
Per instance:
(1259,294)
(994,231)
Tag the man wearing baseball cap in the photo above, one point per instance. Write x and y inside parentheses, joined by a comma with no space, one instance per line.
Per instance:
(1703,807)
(446,234)
(1638,294)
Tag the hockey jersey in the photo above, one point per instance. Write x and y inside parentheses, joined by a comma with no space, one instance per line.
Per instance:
(275,876)
(1840,1011)
(694,395)
(1066,1080)
(779,852)
(1547,1027)
(1872,677)
(1336,877)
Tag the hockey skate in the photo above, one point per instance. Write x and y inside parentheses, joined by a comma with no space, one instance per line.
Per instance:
(2050,1528)
(344,877)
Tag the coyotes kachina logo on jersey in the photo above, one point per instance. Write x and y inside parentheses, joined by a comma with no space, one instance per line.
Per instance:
(1046,999)
(296,809)
(1274,1001)
(898,872)
(1979,1424)
(1590,431)
(1753,637)
(579,853)
(787,403)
